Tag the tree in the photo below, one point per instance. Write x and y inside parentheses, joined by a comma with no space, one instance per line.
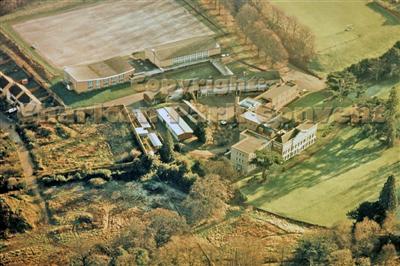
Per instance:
(342,257)
(167,149)
(184,250)
(207,198)
(388,196)
(370,210)
(198,168)
(314,249)
(200,132)
(366,237)
(342,84)
(163,224)
(239,252)
(266,160)
(387,256)
(391,131)
(267,41)
(246,17)
(392,107)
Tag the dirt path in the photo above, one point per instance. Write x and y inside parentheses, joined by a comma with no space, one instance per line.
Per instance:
(26,163)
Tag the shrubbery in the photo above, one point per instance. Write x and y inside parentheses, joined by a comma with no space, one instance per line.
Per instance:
(139,167)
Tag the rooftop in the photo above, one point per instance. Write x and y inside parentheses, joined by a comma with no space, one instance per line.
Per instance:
(287,136)
(250,144)
(277,90)
(184,47)
(141,118)
(249,103)
(254,117)
(155,141)
(110,67)
(174,121)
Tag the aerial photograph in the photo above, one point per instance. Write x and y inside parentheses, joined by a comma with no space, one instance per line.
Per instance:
(199,132)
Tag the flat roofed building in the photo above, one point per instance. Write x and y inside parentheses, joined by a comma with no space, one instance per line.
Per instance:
(18,94)
(155,141)
(98,75)
(279,96)
(175,124)
(141,118)
(249,103)
(296,140)
(186,51)
(243,151)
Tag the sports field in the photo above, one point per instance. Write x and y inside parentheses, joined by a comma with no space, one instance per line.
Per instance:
(344,172)
(109,29)
(346,31)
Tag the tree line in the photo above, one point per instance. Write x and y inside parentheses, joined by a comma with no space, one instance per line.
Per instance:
(351,82)
(8,6)
(279,36)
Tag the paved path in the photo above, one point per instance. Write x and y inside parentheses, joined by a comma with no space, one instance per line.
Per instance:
(26,163)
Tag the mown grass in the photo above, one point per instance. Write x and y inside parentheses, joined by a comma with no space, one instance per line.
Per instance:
(95,97)
(371,30)
(343,172)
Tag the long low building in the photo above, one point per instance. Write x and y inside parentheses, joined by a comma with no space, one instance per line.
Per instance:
(279,95)
(182,52)
(175,124)
(83,78)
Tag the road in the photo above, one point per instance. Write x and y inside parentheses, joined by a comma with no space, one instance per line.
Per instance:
(26,163)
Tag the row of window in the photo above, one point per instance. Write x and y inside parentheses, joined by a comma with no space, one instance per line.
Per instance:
(190,58)
(290,153)
(106,82)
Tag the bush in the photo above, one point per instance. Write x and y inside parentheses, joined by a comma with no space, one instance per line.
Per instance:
(43,132)
(97,182)
(153,187)
(102,173)
(15,184)
(61,132)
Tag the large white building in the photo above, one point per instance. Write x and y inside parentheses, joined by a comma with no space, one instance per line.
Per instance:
(175,124)
(296,140)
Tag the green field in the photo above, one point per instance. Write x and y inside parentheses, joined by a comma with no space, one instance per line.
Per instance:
(371,30)
(95,97)
(343,172)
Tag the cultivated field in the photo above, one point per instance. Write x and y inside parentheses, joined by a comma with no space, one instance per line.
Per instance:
(346,31)
(109,29)
(324,187)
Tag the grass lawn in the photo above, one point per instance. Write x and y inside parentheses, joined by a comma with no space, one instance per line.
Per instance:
(75,100)
(199,71)
(382,89)
(372,30)
(344,172)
